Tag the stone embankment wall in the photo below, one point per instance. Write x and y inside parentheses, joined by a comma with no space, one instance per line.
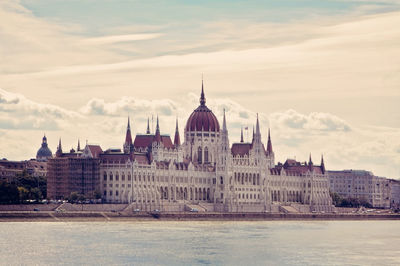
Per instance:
(29,207)
(92,207)
(205,216)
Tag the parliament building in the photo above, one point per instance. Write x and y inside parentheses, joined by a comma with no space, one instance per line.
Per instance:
(206,173)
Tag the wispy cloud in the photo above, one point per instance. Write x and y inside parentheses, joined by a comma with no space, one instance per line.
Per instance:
(120,38)
(326,83)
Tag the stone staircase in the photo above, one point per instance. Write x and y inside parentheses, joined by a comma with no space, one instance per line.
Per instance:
(189,207)
(288,209)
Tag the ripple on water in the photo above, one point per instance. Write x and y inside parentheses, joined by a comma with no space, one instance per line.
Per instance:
(202,243)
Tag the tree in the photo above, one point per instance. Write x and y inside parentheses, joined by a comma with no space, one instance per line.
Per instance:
(36,194)
(97,194)
(9,193)
(73,196)
(336,199)
(23,194)
(81,197)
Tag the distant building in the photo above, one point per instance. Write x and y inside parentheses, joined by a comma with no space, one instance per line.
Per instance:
(361,184)
(9,170)
(76,171)
(44,153)
(394,194)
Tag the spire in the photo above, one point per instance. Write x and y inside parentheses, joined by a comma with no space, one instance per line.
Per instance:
(44,141)
(269,144)
(148,126)
(177,140)
(322,164)
(79,146)
(128,147)
(258,133)
(59,149)
(202,97)
(252,140)
(128,137)
(224,123)
(158,135)
(310,163)
(241,135)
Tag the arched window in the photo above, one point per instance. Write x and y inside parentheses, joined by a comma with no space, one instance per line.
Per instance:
(199,155)
(117,176)
(111,176)
(205,155)
(105,176)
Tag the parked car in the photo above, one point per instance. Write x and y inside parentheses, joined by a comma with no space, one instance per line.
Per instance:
(194,210)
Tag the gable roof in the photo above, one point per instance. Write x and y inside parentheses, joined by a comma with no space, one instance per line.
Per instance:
(145,141)
(241,149)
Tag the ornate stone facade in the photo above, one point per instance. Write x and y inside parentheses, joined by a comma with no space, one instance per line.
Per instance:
(206,173)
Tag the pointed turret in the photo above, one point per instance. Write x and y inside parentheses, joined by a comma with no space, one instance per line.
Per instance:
(241,135)
(128,137)
(158,135)
(252,140)
(202,97)
(177,140)
(322,164)
(258,133)
(269,144)
(59,149)
(78,148)
(148,126)
(128,145)
(310,163)
(224,123)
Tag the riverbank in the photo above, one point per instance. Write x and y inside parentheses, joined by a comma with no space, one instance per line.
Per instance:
(52,216)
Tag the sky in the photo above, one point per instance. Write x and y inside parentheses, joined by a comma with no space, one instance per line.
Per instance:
(324,76)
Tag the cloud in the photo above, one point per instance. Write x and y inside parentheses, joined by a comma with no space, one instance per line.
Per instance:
(130,105)
(343,67)
(294,134)
(120,38)
(18,112)
(314,121)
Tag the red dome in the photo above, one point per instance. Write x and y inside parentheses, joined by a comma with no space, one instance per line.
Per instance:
(202,119)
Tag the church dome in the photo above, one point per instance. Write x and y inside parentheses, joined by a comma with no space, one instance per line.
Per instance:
(202,119)
(44,152)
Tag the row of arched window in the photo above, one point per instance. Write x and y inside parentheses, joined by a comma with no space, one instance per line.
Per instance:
(247,178)
(185,193)
(248,196)
(111,176)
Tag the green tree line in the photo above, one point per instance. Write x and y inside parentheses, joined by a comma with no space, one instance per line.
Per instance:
(23,188)
(340,201)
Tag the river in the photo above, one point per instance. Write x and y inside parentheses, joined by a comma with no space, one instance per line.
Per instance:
(201,243)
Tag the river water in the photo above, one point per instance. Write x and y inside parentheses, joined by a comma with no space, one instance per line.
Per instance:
(201,243)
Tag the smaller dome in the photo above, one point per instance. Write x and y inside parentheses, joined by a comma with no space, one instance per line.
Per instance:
(44,152)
